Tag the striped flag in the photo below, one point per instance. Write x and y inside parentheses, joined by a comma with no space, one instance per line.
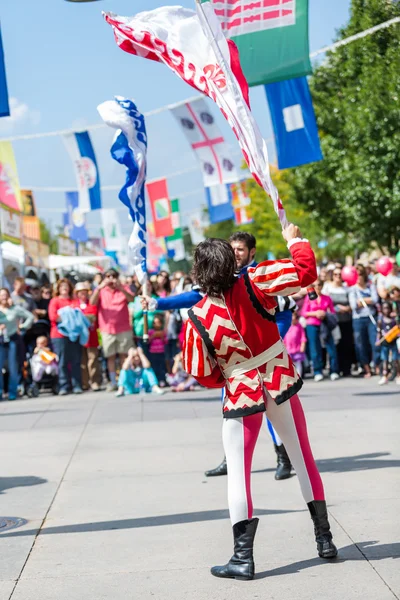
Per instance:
(271,35)
(240,203)
(174,243)
(81,151)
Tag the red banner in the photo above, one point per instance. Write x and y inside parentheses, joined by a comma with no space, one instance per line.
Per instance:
(160,207)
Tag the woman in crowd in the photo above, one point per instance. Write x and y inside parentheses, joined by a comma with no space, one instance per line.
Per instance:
(315,312)
(69,353)
(363,299)
(163,286)
(157,345)
(339,293)
(12,320)
(90,364)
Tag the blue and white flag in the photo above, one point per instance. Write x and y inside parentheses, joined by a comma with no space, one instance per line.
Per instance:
(4,104)
(293,119)
(74,219)
(219,203)
(81,151)
(130,149)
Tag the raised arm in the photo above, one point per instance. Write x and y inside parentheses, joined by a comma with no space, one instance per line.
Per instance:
(198,362)
(184,300)
(285,277)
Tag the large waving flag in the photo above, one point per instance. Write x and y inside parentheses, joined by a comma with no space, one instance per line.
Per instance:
(193,45)
(130,149)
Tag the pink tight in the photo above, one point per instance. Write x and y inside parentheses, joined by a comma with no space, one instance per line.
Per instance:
(240,438)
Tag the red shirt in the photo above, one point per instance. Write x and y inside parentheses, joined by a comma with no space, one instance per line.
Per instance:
(89,310)
(113,311)
(54,306)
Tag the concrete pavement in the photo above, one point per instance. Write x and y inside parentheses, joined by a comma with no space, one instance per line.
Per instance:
(113,504)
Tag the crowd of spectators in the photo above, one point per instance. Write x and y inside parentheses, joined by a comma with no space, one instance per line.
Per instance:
(91,335)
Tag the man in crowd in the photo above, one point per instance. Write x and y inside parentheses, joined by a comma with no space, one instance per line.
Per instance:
(244,247)
(112,299)
(20,297)
(385,284)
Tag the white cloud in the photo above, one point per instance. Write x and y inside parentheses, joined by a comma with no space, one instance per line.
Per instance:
(21,116)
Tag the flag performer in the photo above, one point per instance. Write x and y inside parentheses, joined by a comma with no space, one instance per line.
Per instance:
(232,341)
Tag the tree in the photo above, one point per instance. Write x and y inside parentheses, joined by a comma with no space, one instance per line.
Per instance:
(356,94)
(265,226)
(47,237)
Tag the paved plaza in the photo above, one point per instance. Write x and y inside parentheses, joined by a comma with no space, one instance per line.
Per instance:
(112,502)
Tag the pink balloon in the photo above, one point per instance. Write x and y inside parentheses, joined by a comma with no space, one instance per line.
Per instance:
(384,265)
(350,275)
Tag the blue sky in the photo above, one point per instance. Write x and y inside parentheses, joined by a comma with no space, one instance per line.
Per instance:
(62,62)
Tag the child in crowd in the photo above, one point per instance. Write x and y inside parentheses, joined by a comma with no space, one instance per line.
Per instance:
(44,361)
(137,375)
(388,343)
(157,344)
(180,381)
(295,342)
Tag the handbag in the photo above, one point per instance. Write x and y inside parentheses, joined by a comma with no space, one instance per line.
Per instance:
(331,321)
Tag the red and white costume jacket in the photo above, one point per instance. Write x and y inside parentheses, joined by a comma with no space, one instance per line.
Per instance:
(233,341)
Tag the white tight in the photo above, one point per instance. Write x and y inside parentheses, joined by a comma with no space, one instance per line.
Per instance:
(240,437)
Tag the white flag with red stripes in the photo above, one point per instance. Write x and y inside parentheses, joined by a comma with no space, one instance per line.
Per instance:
(193,45)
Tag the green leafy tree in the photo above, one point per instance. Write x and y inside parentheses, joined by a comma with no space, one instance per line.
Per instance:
(356,92)
(265,226)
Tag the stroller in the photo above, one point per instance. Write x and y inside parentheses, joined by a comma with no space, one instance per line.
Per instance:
(47,382)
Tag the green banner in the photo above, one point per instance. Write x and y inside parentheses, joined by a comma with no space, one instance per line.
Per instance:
(272,37)
(176,222)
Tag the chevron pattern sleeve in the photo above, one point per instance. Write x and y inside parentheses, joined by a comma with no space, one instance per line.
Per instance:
(197,360)
(285,277)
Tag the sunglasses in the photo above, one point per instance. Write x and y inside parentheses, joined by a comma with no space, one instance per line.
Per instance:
(337,274)
(112,276)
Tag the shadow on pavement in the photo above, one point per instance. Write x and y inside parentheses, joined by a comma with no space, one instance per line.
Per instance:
(359,551)
(380,393)
(7,483)
(31,412)
(177,519)
(342,464)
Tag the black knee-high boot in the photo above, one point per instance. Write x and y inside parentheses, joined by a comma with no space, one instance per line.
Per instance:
(284,466)
(323,536)
(241,565)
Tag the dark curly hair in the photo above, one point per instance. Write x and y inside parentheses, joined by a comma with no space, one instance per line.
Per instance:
(214,266)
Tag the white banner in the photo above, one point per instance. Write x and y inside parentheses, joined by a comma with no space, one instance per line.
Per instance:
(111,230)
(206,140)
(11,225)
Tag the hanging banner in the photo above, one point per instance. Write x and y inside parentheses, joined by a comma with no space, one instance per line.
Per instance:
(10,224)
(206,140)
(160,207)
(219,203)
(196,228)
(74,219)
(240,203)
(111,230)
(30,220)
(293,119)
(81,151)
(156,249)
(31,251)
(4,104)
(130,149)
(10,193)
(66,247)
(174,243)
(271,35)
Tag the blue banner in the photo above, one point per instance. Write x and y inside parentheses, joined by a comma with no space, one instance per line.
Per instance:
(74,219)
(293,119)
(82,154)
(219,203)
(4,105)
